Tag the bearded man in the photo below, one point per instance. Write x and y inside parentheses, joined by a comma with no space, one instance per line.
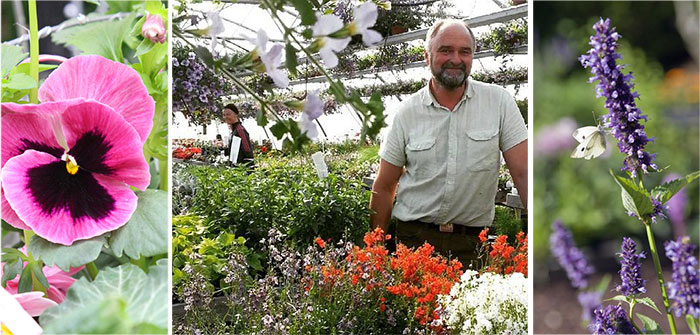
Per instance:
(443,149)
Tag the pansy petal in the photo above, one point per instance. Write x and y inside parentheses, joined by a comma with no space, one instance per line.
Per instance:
(61,207)
(366,15)
(9,215)
(34,302)
(103,142)
(14,317)
(111,83)
(27,127)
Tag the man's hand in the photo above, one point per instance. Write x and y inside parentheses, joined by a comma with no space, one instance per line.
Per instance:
(383,192)
(516,160)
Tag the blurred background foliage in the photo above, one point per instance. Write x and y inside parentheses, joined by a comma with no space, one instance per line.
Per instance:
(582,193)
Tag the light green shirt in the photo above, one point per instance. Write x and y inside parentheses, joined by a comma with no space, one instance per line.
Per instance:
(452,157)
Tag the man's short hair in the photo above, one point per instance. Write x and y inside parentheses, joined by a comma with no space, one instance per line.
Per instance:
(232,107)
(438,25)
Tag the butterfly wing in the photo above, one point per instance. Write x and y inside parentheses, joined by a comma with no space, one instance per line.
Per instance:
(584,133)
(592,143)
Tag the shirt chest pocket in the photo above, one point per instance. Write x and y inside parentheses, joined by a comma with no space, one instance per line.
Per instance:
(421,154)
(482,152)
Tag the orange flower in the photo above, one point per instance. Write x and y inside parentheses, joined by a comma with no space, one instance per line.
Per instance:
(320,242)
(482,235)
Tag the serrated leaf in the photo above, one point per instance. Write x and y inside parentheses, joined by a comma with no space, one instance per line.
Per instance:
(666,191)
(290,59)
(650,326)
(11,269)
(20,81)
(306,11)
(144,298)
(103,38)
(147,232)
(66,256)
(11,56)
(634,198)
(648,302)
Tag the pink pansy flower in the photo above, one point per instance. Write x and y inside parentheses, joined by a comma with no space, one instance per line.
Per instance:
(59,281)
(67,163)
(16,312)
(154,28)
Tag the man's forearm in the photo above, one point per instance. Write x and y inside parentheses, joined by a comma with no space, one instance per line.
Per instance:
(521,185)
(380,205)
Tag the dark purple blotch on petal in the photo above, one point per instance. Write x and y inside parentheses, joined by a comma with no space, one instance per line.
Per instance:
(54,189)
(90,151)
(32,145)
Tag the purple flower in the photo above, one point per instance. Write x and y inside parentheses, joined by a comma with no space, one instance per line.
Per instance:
(623,117)
(630,270)
(569,256)
(589,301)
(676,207)
(683,290)
(611,320)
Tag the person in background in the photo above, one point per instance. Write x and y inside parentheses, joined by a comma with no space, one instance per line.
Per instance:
(442,152)
(245,150)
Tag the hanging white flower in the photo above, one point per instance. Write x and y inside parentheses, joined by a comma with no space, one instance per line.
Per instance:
(313,109)
(271,59)
(365,17)
(326,25)
(215,29)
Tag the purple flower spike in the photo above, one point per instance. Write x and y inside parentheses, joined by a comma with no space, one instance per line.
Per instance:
(590,301)
(683,290)
(570,258)
(630,271)
(623,117)
(612,319)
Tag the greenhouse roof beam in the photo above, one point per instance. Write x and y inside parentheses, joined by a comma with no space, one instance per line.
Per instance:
(521,50)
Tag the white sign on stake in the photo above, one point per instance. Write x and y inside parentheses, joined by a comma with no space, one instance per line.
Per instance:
(321,167)
(235,146)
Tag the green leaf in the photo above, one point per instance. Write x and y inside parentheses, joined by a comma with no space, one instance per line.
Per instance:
(692,323)
(665,191)
(64,256)
(261,118)
(20,81)
(291,59)
(11,56)
(103,38)
(618,298)
(141,299)
(650,326)
(38,273)
(634,198)
(205,56)
(648,302)
(24,68)
(107,316)
(11,269)
(306,11)
(145,46)
(602,286)
(279,129)
(25,280)
(147,232)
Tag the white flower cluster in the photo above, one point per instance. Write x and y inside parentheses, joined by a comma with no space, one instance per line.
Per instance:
(489,303)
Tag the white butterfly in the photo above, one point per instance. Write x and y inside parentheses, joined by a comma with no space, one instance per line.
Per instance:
(592,142)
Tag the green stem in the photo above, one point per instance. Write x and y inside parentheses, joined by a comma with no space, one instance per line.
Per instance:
(92,270)
(657,264)
(164,174)
(36,284)
(33,52)
(632,318)
(141,263)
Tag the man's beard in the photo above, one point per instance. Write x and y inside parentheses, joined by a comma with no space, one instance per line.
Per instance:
(449,81)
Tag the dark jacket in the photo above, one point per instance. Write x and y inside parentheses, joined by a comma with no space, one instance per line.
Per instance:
(245,152)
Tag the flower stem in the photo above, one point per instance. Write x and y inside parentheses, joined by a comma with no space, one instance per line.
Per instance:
(33,51)
(163,168)
(657,264)
(92,270)
(632,318)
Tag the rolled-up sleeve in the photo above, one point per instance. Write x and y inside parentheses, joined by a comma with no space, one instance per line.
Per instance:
(393,147)
(513,128)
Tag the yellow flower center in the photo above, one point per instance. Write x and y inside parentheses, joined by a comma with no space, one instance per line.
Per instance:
(71,165)
(4,330)
(352,28)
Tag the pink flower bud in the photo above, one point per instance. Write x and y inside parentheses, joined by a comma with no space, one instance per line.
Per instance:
(154,28)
